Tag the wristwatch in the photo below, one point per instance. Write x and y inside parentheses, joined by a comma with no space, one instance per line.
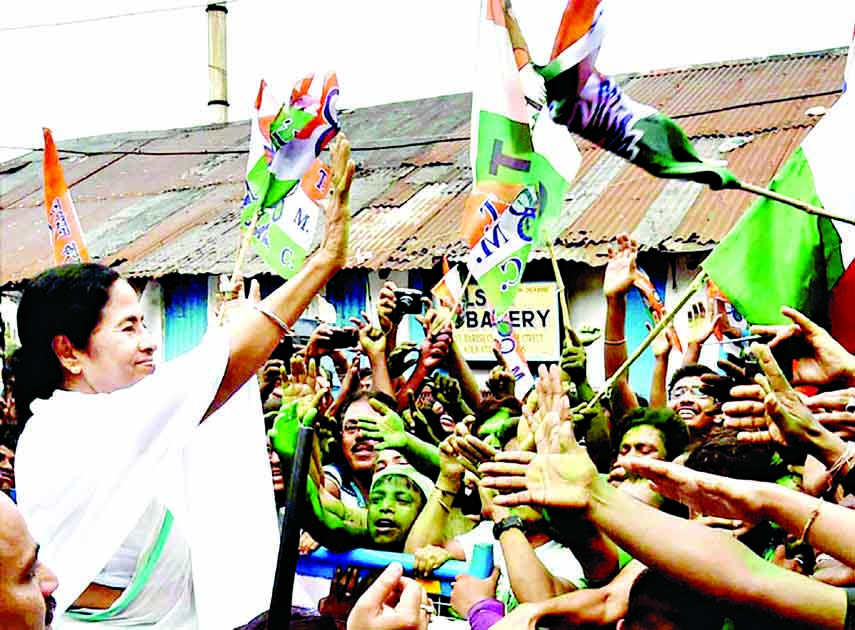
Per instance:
(509,522)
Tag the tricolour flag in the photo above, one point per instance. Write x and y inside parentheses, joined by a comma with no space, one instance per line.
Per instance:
(449,289)
(594,106)
(66,235)
(284,146)
(521,173)
(777,255)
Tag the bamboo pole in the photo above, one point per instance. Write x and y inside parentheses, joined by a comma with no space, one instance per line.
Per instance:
(693,288)
(562,296)
(453,309)
(796,203)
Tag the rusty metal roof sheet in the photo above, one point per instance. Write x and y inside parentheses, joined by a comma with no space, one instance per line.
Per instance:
(177,212)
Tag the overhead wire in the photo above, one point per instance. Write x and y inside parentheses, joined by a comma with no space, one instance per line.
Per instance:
(101,18)
(414,142)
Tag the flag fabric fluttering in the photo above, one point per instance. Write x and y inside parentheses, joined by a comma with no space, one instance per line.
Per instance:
(811,267)
(521,173)
(285,179)
(449,289)
(594,106)
(66,234)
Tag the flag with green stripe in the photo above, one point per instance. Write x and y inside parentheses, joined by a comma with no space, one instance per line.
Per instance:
(522,166)
(595,107)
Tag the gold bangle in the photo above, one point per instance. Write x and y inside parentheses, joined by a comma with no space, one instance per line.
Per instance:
(614,342)
(810,522)
(273,317)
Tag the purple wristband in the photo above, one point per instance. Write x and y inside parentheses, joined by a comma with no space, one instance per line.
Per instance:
(485,613)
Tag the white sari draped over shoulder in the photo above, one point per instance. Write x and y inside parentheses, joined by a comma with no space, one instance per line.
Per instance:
(90,468)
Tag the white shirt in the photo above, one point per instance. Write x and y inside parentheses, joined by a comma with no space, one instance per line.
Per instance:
(556,557)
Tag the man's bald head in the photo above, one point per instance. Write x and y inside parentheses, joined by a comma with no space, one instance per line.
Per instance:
(25,584)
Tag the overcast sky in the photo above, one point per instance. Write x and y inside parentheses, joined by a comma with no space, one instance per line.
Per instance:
(150,71)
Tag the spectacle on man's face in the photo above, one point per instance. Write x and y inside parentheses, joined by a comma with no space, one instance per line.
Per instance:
(694,407)
(26,585)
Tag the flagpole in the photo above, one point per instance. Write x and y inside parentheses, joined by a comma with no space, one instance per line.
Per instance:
(246,237)
(562,296)
(796,203)
(693,288)
(454,304)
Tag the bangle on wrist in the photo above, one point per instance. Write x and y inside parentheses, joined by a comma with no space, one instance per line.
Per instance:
(810,522)
(438,495)
(842,467)
(273,317)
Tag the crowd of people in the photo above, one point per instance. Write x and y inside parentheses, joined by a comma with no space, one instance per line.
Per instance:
(722,502)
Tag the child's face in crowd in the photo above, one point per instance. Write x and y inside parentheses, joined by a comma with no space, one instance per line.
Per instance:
(393,505)
(358,450)
(388,457)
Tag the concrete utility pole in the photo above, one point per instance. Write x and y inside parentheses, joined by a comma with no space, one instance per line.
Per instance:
(218,93)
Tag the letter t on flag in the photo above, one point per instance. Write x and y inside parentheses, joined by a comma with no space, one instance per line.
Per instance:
(66,235)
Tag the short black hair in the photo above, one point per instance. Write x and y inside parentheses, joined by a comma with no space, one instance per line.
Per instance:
(690,369)
(654,596)
(722,453)
(674,430)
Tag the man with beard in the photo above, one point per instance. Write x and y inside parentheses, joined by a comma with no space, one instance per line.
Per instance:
(700,411)
(26,585)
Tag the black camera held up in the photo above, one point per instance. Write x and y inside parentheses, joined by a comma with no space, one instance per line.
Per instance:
(408,302)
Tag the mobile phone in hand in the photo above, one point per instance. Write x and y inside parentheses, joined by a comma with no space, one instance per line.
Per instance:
(343,338)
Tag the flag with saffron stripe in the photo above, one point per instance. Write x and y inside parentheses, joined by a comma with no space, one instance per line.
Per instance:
(522,168)
(66,234)
(285,179)
(814,271)
(594,106)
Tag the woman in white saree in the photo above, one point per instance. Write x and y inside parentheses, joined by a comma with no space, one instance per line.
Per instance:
(117,479)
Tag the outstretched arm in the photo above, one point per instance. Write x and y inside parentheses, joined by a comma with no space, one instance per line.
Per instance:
(253,335)
(562,477)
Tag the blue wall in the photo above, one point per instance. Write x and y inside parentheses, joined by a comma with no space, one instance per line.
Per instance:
(185,305)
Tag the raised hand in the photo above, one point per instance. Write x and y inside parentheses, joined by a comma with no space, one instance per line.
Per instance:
(559,476)
(835,411)
(706,494)
(501,382)
(819,358)
(389,429)
(662,344)
(387,315)
(435,348)
(392,602)
(574,359)
(790,423)
(286,426)
(337,213)
(702,323)
(621,270)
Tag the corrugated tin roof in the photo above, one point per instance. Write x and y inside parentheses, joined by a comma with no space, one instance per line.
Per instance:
(178,212)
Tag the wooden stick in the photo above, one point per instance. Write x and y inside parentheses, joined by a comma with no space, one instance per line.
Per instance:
(693,288)
(796,203)
(246,237)
(244,245)
(453,309)
(562,296)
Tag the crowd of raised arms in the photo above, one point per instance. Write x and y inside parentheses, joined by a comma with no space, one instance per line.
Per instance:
(723,502)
